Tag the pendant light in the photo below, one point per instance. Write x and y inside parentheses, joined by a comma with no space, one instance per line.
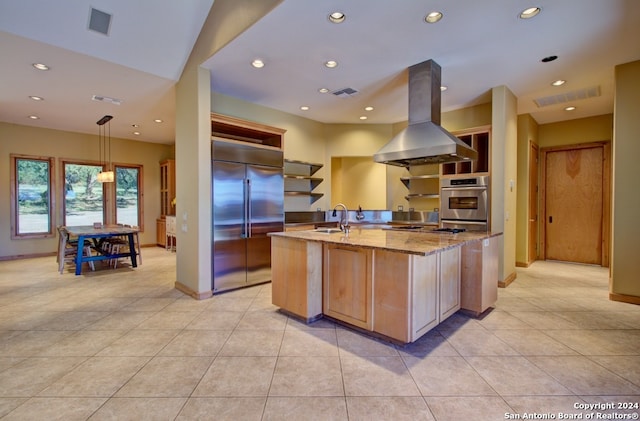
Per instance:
(104,176)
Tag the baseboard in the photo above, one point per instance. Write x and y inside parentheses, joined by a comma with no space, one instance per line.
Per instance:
(191,293)
(522,265)
(27,256)
(507,281)
(631,299)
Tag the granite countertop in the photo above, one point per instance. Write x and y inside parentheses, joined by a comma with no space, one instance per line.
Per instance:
(420,243)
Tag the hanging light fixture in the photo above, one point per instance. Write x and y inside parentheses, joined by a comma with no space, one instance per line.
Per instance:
(104,176)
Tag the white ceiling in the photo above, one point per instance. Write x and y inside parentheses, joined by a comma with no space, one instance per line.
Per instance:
(479,45)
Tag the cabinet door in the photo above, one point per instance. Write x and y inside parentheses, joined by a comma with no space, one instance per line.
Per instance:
(347,284)
(425,302)
(391,294)
(449,282)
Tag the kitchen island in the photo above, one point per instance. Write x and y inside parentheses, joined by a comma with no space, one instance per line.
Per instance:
(394,284)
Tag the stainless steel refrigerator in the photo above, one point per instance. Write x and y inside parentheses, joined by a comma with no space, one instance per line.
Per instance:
(248,203)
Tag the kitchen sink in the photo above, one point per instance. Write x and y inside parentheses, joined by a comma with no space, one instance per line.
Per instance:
(327,230)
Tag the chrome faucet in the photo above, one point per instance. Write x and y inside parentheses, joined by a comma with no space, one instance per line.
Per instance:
(344,226)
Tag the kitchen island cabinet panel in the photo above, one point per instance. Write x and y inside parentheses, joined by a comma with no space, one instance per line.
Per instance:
(449,282)
(479,277)
(296,273)
(347,284)
(391,294)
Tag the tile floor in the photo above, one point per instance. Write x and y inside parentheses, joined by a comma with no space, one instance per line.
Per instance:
(124,344)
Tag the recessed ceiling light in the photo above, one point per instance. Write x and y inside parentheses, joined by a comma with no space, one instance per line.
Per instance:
(368,108)
(36,98)
(40,66)
(558,82)
(304,108)
(570,108)
(331,64)
(323,90)
(530,12)
(363,117)
(158,120)
(34,117)
(443,88)
(135,126)
(433,17)
(257,63)
(549,58)
(136,133)
(337,17)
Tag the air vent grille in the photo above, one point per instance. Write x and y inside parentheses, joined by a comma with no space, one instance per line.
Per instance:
(102,98)
(345,93)
(99,21)
(568,96)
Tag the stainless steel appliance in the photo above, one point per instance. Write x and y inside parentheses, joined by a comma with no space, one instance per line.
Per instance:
(464,203)
(248,203)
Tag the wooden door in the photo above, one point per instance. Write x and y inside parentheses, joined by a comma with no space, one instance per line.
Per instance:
(574,205)
(533,204)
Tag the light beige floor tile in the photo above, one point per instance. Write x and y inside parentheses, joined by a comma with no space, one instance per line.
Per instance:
(506,303)
(599,342)
(25,320)
(96,377)
(627,367)
(139,343)
(459,321)
(613,407)
(596,320)
(9,404)
(136,409)
(353,343)
(307,376)
(120,320)
(543,320)
(185,303)
(470,342)
(225,409)
(399,408)
(262,320)
(166,377)
(227,302)
(149,304)
(29,343)
(63,409)
(516,376)
(32,375)
(543,405)
(106,304)
(377,376)
(431,344)
(317,342)
(296,324)
(6,362)
(218,320)
(584,377)
(484,408)
(308,409)
(237,376)
(83,343)
(533,342)
(253,343)
(168,320)
(447,376)
(497,320)
(261,303)
(196,343)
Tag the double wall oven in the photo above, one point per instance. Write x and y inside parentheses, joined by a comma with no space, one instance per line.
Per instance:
(464,203)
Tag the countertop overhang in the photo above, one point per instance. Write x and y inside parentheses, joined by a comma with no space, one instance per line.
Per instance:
(419,243)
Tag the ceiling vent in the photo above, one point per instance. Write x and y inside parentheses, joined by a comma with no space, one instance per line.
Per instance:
(102,98)
(99,21)
(568,97)
(345,93)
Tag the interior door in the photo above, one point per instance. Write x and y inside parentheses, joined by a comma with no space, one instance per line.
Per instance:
(574,205)
(533,203)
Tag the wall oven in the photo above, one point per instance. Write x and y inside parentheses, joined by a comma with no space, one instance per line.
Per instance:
(464,203)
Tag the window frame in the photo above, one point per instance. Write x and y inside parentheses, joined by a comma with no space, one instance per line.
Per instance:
(140,169)
(105,195)
(15,225)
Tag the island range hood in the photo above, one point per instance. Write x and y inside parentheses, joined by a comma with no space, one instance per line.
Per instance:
(424,141)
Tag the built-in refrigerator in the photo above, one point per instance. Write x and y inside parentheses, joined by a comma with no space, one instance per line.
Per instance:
(248,203)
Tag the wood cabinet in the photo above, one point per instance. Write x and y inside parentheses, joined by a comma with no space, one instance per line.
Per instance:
(480,140)
(449,268)
(299,180)
(347,279)
(167,194)
(296,276)
(161,232)
(479,275)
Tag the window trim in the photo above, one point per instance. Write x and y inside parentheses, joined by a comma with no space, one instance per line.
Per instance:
(140,169)
(15,235)
(105,194)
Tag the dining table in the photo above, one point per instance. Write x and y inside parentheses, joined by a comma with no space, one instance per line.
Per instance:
(97,235)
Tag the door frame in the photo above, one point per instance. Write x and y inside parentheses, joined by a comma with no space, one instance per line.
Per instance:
(606,194)
(533,192)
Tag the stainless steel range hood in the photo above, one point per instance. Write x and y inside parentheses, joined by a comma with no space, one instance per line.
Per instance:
(424,141)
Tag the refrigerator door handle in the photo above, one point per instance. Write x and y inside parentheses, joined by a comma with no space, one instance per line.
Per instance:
(248,207)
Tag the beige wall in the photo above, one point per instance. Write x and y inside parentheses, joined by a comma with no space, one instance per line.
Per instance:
(527,134)
(570,132)
(626,172)
(357,182)
(17,139)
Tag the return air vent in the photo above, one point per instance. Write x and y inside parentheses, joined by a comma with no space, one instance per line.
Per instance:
(568,97)
(345,93)
(99,21)
(102,98)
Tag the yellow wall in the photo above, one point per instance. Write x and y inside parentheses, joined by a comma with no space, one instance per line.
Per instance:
(626,172)
(570,132)
(358,181)
(27,140)
(527,133)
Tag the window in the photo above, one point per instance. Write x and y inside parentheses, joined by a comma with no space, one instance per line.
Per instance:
(31,197)
(83,194)
(128,192)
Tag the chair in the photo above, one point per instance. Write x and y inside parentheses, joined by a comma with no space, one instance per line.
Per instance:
(170,229)
(124,246)
(68,250)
